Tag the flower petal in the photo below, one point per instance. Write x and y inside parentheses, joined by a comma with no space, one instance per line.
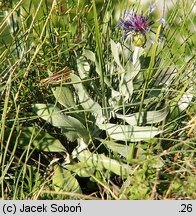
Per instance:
(161,20)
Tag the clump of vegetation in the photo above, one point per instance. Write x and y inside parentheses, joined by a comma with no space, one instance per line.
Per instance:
(95,106)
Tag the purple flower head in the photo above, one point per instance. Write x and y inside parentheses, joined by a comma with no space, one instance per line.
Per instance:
(137,23)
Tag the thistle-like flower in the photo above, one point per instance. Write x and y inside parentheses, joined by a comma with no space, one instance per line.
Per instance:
(138,26)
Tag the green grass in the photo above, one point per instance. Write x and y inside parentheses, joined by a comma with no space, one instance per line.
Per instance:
(53,142)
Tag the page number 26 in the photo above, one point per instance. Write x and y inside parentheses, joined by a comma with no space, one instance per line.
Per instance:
(186,208)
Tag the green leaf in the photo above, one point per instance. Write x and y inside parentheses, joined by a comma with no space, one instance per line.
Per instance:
(131,71)
(89,55)
(118,148)
(149,117)
(40,139)
(51,114)
(115,53)
(81,169)
(63,180)
(71,126)
(186,99)
(138,51)
(116,99)
(83,67)
(128,132)
(100,162)
(86,102)
(126,86)
(64,96)
(80,147)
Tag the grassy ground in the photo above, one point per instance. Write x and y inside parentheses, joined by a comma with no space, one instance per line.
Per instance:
(118,124)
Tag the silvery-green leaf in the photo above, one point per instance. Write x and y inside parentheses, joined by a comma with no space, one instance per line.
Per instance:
(89,55)
(131,71)
(98,71)
(115,100)
(115,53)
(64,96)
(127,90)
(128,132)
(185,100)
(81,146)
(100,161)
(86,102)
(64,180)
(149,117)
(126,86)
(83,67)
(51,114)
(118,148)
(116,94)
(138,51)
(71,126)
